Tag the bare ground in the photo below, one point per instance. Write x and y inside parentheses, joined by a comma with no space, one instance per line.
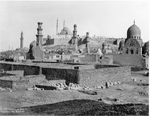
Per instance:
(133,92)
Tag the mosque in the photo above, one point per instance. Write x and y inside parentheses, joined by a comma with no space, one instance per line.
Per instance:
(130,49)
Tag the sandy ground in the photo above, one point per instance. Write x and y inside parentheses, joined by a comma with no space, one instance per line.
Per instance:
(128,92)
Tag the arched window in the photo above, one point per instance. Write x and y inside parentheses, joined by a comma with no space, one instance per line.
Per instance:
(132,51)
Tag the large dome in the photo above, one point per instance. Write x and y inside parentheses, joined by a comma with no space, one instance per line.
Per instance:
(134,32)
(65,31)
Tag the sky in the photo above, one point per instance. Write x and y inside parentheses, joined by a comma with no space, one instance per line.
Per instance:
(100,18)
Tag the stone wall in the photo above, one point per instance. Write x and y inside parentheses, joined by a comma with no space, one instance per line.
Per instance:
(100,76)
(129,59)
(19,73)
(6,67)
(89,58)
(97,66)
(20,84)
(85,77)
(28,70)
(6,83)
(69,75)
(89,77)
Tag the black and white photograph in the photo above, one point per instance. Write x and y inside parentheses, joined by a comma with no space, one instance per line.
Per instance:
(73,58)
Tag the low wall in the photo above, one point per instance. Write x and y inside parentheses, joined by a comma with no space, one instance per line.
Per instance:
(90,77)
(85,77)
(19,73)
(100,76)
(28,70)
(69,75)
(89,58)
(129,60)
(20,84)
(6,84)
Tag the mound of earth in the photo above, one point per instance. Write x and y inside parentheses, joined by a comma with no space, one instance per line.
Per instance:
(85,107)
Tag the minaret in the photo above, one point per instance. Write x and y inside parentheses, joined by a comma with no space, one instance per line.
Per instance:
(39,35)
(75,31)
(57,27)
(21,40)
(74,38)
(64,24)
(87,43)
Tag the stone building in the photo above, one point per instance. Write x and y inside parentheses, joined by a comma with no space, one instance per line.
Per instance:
(133,43)
(145,49)
(21,41)
(131,49)
(35,52)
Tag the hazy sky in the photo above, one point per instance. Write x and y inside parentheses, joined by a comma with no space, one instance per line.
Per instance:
(110,18)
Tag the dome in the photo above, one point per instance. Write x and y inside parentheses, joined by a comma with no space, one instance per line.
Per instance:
(65,31)
(33,44)
(134,32)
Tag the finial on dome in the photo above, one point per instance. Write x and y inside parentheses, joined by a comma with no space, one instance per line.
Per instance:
(134,22)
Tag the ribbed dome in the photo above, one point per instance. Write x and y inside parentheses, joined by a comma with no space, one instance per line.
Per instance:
(134,32)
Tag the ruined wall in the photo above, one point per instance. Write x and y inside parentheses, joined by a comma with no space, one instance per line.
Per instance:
(20,84)
(129,59)
(89,58)
(85,77)
(28,70)
(19,73)
(6,67)
(97,66)
(89,77)
(100,76)
(69,75)
(6,83)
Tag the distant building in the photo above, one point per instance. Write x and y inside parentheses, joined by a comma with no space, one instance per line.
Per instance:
(133,43)
(21,41)
(35,52)
(131,49)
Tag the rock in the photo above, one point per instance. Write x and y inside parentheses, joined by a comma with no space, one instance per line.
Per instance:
(98,87)
(100,99)
(134,80)
(118,82)
(102,87)
(107,84)
(29,88)
(119,89)
(115,83)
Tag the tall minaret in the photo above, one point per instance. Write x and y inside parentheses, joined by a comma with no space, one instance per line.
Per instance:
(57,27)
(75,31)
(87,43)
(39,35)
(64,24)
(21,40)
(74,38)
